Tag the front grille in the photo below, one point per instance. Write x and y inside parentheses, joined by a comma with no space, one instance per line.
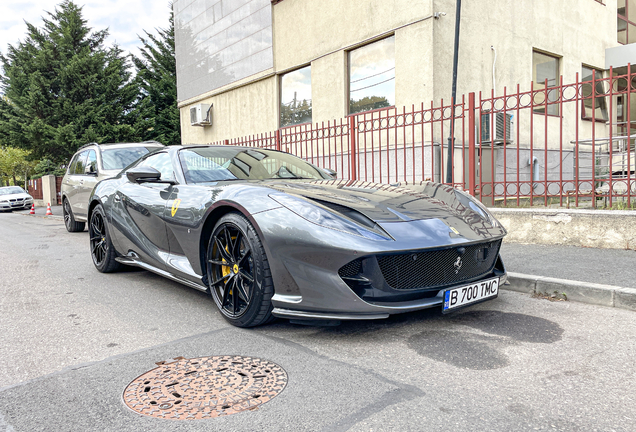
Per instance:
(351,269)
(438,268)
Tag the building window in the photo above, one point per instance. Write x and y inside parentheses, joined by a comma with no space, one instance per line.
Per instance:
(295,97)
(372,76)
(545,68)
(593,108)
(626,21)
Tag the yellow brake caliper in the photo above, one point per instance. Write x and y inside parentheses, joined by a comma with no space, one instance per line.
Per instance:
(226,269)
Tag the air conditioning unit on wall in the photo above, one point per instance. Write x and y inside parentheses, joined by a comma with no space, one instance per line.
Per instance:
(498,125)
(201,115)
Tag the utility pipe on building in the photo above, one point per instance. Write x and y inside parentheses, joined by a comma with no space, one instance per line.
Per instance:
(451,138)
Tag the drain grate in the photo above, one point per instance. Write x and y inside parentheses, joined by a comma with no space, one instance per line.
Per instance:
(206,387)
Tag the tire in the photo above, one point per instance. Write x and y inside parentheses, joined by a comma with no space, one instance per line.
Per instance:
(242,290)
(69,219)
(102,250)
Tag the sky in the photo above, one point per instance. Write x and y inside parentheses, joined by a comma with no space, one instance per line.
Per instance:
(125,19)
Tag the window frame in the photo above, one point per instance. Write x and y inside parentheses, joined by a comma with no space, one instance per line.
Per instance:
(348,91)
(599,72)
(83,155)
(541,109)
(627,21)
(280,97)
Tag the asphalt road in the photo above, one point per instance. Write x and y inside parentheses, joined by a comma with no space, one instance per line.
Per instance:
(71,339)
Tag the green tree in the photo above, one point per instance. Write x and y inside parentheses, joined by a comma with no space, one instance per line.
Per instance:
(64,88)
(367,103)
(14,164)
(157,112)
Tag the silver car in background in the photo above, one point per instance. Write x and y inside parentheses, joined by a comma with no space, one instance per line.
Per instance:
(14,198)
(91,164)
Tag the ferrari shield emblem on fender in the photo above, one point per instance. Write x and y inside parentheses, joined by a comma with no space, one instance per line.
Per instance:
(175,206)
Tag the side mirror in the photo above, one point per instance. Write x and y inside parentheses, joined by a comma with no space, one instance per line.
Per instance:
(143,174)
(90,170)
(330,172)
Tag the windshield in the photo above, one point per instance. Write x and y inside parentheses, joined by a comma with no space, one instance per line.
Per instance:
(210,164)
(120,158)
(11,190)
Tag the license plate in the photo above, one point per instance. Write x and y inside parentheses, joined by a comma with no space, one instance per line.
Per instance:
(463,296)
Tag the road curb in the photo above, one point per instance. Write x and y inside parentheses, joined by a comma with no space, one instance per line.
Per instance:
(583,292)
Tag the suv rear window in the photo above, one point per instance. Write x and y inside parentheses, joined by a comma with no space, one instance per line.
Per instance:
(120,158)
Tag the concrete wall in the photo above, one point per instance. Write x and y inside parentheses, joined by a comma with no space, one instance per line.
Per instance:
(242,111)
(610,229)
(321,33)
(305,30)
(49,193)
(577,31)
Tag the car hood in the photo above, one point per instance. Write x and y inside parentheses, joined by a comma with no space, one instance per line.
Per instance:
(428,205)
(14,196)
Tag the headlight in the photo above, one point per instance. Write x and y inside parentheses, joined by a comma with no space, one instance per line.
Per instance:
(322,217)
(475,205)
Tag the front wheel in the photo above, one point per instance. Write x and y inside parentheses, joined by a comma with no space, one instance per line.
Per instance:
(239,277)
(102,250)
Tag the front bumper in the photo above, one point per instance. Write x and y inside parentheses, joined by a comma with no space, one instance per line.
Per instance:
(16,206)
(305,260)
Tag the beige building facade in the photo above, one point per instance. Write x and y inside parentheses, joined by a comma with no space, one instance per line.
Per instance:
(499,43)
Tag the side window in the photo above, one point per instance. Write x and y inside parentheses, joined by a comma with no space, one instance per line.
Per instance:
(73,164)
(81,163)
(162,163)
(91,161)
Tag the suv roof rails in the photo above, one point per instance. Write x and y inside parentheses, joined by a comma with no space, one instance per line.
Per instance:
(105,144)
(87,145)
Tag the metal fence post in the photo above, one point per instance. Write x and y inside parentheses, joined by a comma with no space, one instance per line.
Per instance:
(352,149)
(472,176)
(278,139)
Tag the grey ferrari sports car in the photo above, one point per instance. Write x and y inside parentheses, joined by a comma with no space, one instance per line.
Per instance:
(270,235)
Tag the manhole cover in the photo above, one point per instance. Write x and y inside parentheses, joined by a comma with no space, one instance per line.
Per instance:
(206,387)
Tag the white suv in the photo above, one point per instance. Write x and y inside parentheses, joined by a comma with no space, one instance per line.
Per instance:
(92,163)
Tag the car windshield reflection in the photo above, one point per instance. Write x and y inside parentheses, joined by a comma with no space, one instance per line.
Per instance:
(11,190)
(213,164)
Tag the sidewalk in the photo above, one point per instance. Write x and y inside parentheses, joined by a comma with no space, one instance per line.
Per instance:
(598,276)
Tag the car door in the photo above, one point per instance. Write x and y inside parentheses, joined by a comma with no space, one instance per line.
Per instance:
(75,178)
(138,214)
(86,182)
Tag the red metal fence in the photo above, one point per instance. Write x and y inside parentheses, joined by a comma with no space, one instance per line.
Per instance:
(35,188)
(555,144)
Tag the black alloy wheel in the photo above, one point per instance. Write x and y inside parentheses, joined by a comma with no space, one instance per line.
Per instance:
(239,278)
(69,220)
(102,250)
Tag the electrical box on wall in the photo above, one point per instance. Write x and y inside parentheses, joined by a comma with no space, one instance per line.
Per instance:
(201,115)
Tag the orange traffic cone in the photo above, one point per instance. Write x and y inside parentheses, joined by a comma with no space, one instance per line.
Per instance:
(32,209)
(48,210)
